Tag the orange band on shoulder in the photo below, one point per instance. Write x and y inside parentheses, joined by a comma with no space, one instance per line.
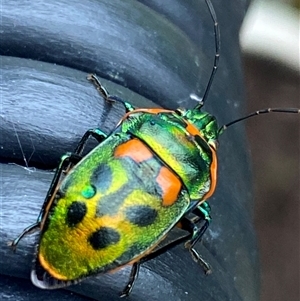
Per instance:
(134,149)
(213,175)
(170,186)
(213,167)
(193,130)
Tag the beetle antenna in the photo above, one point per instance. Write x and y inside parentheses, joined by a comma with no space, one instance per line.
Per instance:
(259,112)
(217,53)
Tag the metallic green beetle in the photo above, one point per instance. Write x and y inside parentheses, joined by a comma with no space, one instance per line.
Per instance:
(116,204)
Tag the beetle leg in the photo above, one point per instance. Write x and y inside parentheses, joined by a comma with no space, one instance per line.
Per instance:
(191,239)
(197,234)
(107,97)
(96,82)
(65,161)
(163,249)
(132,278)
(31,229)
(96,133)
(203,213)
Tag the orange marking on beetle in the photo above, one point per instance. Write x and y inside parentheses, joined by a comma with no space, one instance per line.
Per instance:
(213,175)
(193,130)
(154,111)
(134,149)
(50,269)
(170,186)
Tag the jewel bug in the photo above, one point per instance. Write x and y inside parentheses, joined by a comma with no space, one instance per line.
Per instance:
(154,169)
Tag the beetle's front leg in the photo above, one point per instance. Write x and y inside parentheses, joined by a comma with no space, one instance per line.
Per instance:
(107,97)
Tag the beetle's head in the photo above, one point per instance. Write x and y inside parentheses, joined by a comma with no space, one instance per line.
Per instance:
(206,124)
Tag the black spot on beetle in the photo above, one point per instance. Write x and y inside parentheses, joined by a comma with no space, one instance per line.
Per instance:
(141,215)
(75,214)
(103,238)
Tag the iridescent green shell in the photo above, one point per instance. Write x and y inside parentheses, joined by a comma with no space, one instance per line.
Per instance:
(122,198)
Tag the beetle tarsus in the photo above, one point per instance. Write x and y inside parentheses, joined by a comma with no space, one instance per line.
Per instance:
(32,228)
(102,91)
(198,259)
(132,278)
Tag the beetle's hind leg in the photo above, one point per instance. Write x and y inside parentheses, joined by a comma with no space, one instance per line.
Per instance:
(202,213)
(135,269)
(194,235)
(107,97)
